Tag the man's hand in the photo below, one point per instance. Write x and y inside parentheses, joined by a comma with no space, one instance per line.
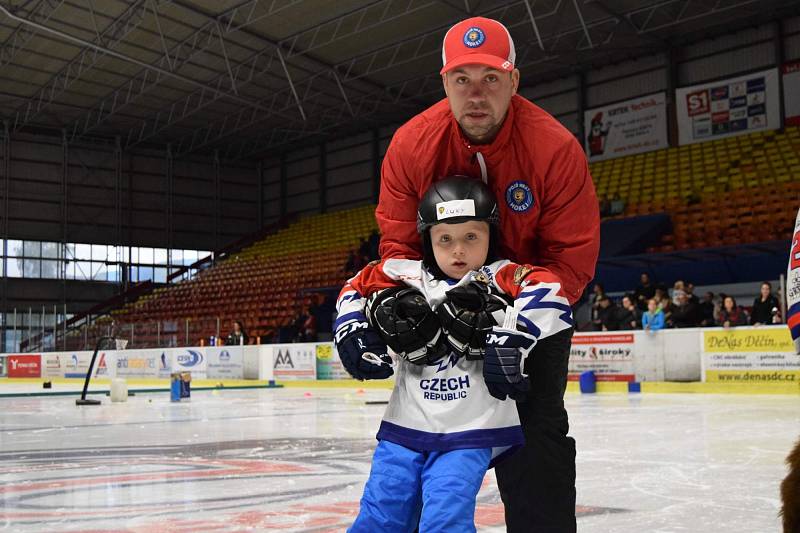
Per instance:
(506,350)
(362,352)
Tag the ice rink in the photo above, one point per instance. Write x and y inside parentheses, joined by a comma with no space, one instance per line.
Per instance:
(296,460)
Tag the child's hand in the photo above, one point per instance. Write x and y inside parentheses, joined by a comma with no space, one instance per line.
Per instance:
(506,350)
(468,314)
(362,352)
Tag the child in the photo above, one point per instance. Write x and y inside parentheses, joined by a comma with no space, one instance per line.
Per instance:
(443,428)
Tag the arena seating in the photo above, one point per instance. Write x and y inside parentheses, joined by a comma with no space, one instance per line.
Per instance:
(261,285)
(741,186)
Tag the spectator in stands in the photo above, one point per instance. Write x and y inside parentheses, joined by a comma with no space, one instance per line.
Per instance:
(237,336)
(677,289)
(355,262)
(693,198)
(653,318)
(617,206)
(628,316)
(766,309)
(374,241)
(707,310)
(667,307)
(597,294)
(689,289)
(308,329)
(644,291)
(607,315)
(605,207)
(685,314)
(731,315)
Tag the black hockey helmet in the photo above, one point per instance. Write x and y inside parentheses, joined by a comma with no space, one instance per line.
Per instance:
(453,200)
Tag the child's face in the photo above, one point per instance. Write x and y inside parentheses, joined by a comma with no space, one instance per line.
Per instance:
(459,248)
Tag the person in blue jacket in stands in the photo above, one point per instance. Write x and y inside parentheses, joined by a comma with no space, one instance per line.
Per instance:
(653,319)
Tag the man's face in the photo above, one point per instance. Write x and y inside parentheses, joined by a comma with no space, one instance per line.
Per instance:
(479,97)
(460,248)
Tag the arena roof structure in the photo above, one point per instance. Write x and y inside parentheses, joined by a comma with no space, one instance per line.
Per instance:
(254,77)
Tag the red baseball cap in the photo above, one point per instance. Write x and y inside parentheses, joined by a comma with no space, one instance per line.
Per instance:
(478,40)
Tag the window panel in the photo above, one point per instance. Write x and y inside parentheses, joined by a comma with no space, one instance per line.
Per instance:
(99,252)
(176,257)
(50,269)
(189,257)
(145,273)
(83,270)
(160,275)
(32,268)
(14,248)
(14,267)
(69,269)
(32,249)
(51,250)
(98,271)
(69,250)
(83,251)
(114,273)
(160,256)
(145,256)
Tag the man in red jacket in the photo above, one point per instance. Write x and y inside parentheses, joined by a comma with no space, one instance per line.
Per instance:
(548,217)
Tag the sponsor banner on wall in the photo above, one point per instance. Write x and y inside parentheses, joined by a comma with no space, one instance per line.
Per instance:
(726,108)
(225,362)
(754,355)
(791,92)
(24,365)
(136,363)
(329,366)
(610,356)
(294,361)
(625,128)
(187,360)
(73,364)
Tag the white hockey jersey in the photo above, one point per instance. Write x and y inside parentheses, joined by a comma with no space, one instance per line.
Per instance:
(446,405)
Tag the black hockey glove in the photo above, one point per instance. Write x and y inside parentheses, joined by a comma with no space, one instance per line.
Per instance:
(361,350)
(468,315)
(506,350)
(407,324)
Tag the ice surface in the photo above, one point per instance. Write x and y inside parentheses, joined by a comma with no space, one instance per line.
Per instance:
(281,459)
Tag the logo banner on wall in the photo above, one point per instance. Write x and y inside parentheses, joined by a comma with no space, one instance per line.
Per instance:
(137,363)
(757,355)
(630,127)
(294,361)
(24,366)
(225,362)
(736,106)
(73,364)
(609,356)
(329,366)
(791,92)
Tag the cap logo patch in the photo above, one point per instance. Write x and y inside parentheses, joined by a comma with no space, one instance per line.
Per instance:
(519,196)
(455,208)
(474,37)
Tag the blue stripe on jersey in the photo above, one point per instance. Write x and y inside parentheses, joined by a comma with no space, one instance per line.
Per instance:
(793,309)
(349,297)
(795,331)
(355,315)
(474,438)
(530,326)
(536,303)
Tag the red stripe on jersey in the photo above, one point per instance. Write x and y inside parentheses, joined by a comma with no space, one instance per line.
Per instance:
(510,277)
(372,279)
(794,320)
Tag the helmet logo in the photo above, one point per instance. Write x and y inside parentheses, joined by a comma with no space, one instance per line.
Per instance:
(519,196)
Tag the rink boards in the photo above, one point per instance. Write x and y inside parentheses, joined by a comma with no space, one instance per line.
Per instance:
(741,358)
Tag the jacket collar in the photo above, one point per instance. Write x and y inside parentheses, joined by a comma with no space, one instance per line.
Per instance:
(499,142)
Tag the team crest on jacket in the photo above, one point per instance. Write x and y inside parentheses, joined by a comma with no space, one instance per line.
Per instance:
(474,37)
(519,196)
